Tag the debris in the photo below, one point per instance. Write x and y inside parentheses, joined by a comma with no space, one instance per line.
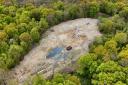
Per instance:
(69,48)
(52,30)
(68,70)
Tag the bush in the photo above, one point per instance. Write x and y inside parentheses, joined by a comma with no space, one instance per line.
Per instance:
(108,7)
(111,46)
(35,34)
(58,5)
(124,13)
(24,17)
(11,30)
(93,9)
(3,36)
(4,47)
(98,40)
(59,15)
(36,14)
(121,38)
(23,27)
(106,26)
(15,52)
(73,11)
(43,24)
(12,10)
(25,37)
(119,23)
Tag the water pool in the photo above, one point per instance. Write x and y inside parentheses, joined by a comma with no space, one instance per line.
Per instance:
(57,53)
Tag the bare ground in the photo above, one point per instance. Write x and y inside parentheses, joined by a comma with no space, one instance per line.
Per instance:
(77,33)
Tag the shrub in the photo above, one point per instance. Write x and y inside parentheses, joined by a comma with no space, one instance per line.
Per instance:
(93,9)
(15,52)
(22,27)
(124,13)
(36,14)
(59,15)
(25,37)
(3,36)
(111,46)
(35,34)
(108,7)
(43,24)
(3,47)
(11,30)
(106,26)
(121,38)
(73,11)
(58,5)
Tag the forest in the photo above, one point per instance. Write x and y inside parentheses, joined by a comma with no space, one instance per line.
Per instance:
(21,27)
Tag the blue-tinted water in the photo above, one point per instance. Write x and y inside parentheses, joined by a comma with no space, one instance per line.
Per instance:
(54,52)
(57,54)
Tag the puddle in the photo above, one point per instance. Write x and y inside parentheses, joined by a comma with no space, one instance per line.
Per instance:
(55,53)
(58,53)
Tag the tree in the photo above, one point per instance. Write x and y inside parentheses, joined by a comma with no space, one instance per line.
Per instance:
(3,47)
(23,27)
(3,60)
(8,19)
(24,17)
(35,34)
(73,11)
(108,7)
(26,37)
(15,51)
(111,46)
(86,62)
(3,36)
(124,53)
(65,80)
(108,73)
(36,14)
(74,79)
(100,51)
(11,30)
(109,66)
(106,78)
(106,26)
(124,13)
(120,83)
(98,40)
(118,23)
(120,6)
(46,11)
(25,45)
(58,5)
(33,23)
(38,80)
(121,38)
(43,24)
(12,10)
(58,78)
(93,9)
(59,15)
